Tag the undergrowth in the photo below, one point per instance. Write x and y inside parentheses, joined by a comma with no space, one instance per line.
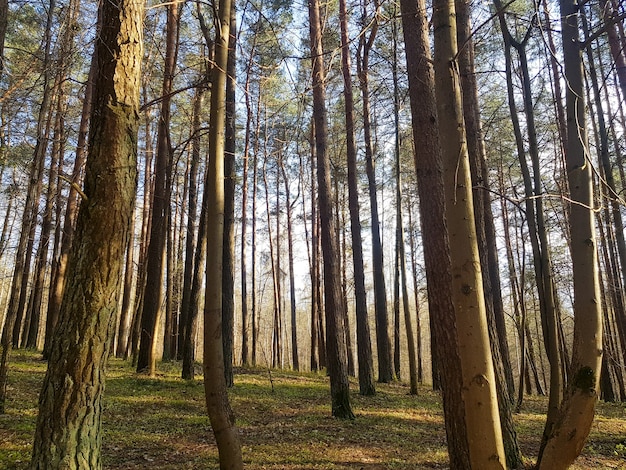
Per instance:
(285,423)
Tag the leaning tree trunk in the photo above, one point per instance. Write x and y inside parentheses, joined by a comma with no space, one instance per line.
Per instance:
(220,413)
(68,433)
(335,334)
(569,433)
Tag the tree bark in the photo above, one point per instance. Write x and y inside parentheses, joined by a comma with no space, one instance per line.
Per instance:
(429,170)
(153,298)
(68,433)
(383,341)
(335,333)
(364,344)
(228,281)
(567,436)
(479,387)
(218,406)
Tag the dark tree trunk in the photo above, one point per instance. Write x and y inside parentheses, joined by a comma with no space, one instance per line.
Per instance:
(152,301)
(228,279)
(335,333)
(383,341)
(429,169)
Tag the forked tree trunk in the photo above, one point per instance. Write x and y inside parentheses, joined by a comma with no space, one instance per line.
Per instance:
(68,433)
(220,413)
(567,437)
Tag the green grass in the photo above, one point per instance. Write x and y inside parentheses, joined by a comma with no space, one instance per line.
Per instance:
(284,423)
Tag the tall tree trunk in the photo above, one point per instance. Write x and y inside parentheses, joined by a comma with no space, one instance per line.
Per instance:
(429,171)
(152,302)
(228,280)
(68,433)
(363,341)
(479,386)
(486,236)
(383,341)
(335,333)
(567,437)
(220,413)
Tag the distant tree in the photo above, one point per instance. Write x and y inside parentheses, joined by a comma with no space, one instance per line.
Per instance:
(152,302)
(383,341)
(68,433)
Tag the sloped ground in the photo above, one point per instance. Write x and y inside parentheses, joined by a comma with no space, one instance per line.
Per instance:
(284,420)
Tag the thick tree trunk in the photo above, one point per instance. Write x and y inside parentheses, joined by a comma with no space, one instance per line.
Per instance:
(68,433)
(429,170)
(479,386)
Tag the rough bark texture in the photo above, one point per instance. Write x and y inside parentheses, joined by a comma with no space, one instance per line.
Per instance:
(220,413)
(68,433)
(364,345)
(335,333)
(383,340)
(479,387)
(429,171)
(228,281)
(568,435)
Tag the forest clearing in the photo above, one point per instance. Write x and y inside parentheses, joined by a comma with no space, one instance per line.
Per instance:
(284,422)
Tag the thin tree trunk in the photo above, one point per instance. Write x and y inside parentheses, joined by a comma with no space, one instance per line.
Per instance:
(228,280)
(152,301)
(24,247)
(335,333)
(566,439)
(383,341)
(364,345)
(220,413)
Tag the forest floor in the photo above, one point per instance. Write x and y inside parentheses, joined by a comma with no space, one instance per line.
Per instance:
(284,420)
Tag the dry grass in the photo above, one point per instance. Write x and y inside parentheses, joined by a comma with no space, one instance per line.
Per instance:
(285,424)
